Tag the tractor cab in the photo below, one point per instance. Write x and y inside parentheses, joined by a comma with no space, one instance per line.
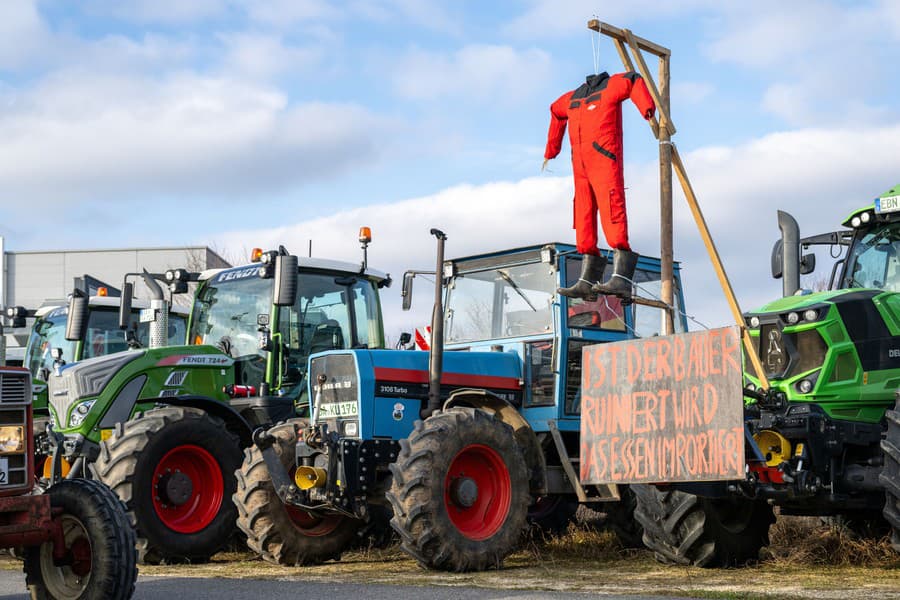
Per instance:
(507,302)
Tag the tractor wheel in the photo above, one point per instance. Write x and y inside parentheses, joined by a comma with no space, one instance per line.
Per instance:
(620,519)
(173,467)
(551,515)
(890,473)
(460,491)
(281,534)
(100,559)
(685,529)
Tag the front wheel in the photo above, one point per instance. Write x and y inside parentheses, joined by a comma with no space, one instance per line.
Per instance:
(100,558)
(460,491)
(890,473)
(282,534)
(173,467)
(685,529)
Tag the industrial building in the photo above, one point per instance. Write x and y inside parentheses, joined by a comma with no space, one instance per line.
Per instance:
(36,277)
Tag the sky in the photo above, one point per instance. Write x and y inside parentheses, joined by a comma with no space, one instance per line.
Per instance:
(243,123)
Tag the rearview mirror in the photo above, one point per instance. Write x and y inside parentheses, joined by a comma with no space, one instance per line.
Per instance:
(76,322)
(807,264)
(125,304)
(284,292)
(778,259)
(406,292)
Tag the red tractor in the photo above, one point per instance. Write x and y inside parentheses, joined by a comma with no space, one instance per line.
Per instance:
(75,537)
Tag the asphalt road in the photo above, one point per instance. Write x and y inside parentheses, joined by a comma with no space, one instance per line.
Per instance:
(12,586)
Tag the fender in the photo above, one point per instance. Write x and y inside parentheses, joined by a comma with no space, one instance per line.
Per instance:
(233,420)
(507,413)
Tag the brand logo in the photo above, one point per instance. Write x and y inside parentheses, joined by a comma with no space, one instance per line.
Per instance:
(398,411)
(238,274)
(591,106)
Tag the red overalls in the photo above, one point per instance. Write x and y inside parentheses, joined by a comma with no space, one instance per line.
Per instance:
(594,113)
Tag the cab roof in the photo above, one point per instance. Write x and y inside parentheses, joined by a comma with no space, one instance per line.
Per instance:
(318,264)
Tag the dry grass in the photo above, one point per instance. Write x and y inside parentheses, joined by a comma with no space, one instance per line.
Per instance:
(800,541)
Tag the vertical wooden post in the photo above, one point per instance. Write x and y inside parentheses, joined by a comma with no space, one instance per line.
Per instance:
(666,241)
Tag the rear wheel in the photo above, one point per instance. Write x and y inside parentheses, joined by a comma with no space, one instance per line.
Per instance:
(890,474)
(685,529)
(173,467)
(282,534)
(460,491)
(99,561)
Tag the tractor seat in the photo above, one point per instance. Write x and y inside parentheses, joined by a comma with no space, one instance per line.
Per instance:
(327,336)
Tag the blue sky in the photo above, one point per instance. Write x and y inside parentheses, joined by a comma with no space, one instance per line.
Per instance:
(245,122)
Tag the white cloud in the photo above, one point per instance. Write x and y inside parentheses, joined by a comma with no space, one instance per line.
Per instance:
(23,35)
(819,175)
(690,92)
(260,56)
(78,135)
(474,71)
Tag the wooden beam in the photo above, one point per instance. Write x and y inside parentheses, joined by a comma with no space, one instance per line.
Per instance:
(619,34)
(629,66)
(717,265)
(666,233)
(664,120)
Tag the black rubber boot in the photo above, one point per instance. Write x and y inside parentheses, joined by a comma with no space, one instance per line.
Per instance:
(592,266)
(624,263)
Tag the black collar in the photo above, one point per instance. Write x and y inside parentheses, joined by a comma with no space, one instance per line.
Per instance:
(595,80)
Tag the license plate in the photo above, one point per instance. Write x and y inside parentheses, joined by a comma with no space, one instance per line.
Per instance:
(334,410)
(4,470)
(148,315)
(887,204)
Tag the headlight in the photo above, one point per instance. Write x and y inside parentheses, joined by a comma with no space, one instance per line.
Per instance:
(793,318)
(865,217)
(810,315)
(12,439)
(855,222)
(351,428)
(76,417)
(754,322)
(805,386)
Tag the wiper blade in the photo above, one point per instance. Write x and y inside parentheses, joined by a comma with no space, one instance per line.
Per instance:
(515,287)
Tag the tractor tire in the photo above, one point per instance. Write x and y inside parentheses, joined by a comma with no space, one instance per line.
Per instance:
(281,534)
(684,529)
(620,519)
(100,562)
(550,516)
(173,467)
(890,473)
(460,491)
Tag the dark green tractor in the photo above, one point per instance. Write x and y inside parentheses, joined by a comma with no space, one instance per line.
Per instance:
(826,433)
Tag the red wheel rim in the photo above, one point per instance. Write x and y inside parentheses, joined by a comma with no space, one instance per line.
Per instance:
(484,467)
(190,512)
(311,524)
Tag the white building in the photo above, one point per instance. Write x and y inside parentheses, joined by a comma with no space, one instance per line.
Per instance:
(37,277)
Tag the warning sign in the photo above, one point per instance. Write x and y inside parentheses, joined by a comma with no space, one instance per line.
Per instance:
(663,409)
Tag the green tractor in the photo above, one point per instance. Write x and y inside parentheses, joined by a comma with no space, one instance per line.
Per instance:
(824,438)
(47,344)
(164,427)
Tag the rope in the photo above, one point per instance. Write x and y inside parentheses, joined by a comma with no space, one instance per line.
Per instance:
(650,294)
(595,49)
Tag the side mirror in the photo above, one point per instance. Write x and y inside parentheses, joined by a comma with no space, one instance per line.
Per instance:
(778,259)
(286,276)
(807,264)
(406,292)
(76,323)
(405,339)
(125,304)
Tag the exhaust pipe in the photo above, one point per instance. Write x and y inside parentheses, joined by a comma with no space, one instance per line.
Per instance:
(436,352)
(790,253)
(159,328)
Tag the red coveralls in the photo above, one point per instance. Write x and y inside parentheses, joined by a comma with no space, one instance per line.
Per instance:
(594,112)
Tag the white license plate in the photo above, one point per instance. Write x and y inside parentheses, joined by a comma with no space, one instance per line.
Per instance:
(887,204)
(4,470)
(334,410)
(148,315)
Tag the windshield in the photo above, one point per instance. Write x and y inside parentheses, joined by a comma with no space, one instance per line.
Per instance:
(501,302)
(330,313)
(874,259)
(226,310)
(48,332)
(103,336)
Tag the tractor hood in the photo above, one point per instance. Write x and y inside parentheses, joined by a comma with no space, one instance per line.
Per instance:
(793,303)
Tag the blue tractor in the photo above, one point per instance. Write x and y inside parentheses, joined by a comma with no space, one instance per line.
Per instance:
(460,446)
